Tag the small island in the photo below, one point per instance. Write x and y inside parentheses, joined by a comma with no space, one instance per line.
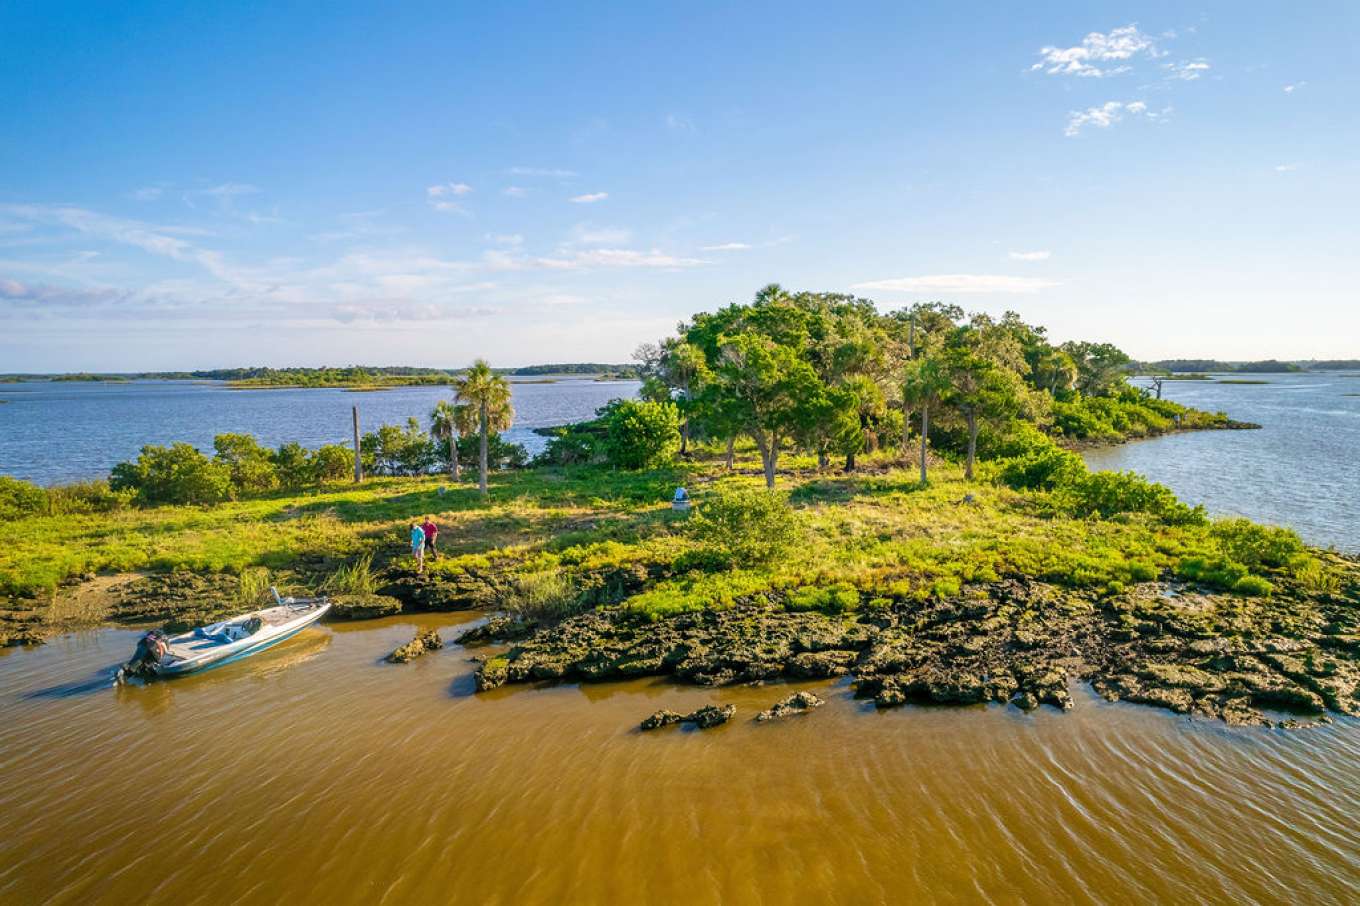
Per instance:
(890,498)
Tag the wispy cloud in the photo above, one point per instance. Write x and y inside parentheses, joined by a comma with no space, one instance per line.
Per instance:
(587,234)
(727,247)
(444,190)
(1188,71)
(1290,89)
(147,193)
(1109,113)
(589,198)
(677,123)
(1091,57)
(541,171)
(960,283)
(1030,256)
(515,191)
(1286,168)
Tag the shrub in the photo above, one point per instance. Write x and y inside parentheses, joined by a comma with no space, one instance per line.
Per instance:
(19,498)
(835,599)
(1042,470)
(293,467)
(1108,494)
(572,445)
(640,435)
(500,453)
(1254,545)
(1220,572)
(85,497)
(250,465)
(178,474)
(1253,585)
(1316,578)
(332,462)
(745,528)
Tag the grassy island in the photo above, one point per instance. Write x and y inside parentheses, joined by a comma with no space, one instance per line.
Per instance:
(973,559)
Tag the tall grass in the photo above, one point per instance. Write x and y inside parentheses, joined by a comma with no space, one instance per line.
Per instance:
(355,578)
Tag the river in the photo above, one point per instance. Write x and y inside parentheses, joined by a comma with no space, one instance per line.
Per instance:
(316,773)
(52,432)
(1299,470)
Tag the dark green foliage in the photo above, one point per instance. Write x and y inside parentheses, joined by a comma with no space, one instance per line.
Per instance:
(19,499)
(178,474)
(640,435)
(500,453)
(746,528)
(250,465)
(572,445)
(1042,470)
(293,467)
(332,462)
(393,450)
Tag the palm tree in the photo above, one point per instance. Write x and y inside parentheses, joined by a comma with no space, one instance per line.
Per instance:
(923,387)
(444,425)
(487,395)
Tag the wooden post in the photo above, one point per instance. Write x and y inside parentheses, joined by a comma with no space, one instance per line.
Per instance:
(358,459)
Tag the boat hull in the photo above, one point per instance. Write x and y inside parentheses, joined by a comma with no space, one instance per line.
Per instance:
(218,655)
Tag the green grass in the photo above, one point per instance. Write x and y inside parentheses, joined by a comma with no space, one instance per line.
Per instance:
(562,538)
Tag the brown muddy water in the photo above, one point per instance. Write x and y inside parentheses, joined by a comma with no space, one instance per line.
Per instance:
(316,773)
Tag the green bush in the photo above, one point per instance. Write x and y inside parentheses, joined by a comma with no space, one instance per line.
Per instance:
(500,453)
(178,474)
(19,499)
(1256,546)
(250,465)
(293,466)
(1042,470)
(744,528)
(1219,572)
(1108,494)
(640,435)
(1253,585)
(332,462)
(834,599)
(571,445)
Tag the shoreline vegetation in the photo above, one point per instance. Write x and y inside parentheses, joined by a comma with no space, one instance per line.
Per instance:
(977,560)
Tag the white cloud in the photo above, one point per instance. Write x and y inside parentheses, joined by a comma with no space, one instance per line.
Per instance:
(1109,113)
(515,191)
(1290,89)
(444,190)
(512,239)
(1286,168)
(1030,256)
(959,283)
(1118,45)
(726,247)
(227,190)
(1186,72)
(541,171)
(589,198)
(148,193)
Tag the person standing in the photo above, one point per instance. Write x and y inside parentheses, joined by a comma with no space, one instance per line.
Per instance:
(431,536)
(418,545)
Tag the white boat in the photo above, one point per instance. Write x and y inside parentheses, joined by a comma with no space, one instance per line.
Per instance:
(228,640)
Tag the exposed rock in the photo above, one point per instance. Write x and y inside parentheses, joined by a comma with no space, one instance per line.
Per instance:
(428,640)
(363,607)
(704,718)
(500,628)
(798,703)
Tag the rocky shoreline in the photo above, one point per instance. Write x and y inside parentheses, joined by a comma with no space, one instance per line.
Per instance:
(1016,642)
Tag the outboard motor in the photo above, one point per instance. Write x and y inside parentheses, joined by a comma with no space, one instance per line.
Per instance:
(150,649)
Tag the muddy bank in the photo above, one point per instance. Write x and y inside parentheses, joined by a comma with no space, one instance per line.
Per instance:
(1017,642)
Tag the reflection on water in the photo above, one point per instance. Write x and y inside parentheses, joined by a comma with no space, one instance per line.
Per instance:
(314,773)
(1298,470)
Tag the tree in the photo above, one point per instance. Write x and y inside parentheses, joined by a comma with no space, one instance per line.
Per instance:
(1053,370)
(673,371)
(292,466)
(980,390)
(923,386)
(1100,366)
(332,462)
(767,389)
(488,395)
(444,426)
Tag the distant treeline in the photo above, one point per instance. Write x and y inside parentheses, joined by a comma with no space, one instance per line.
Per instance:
(347,376)
(1266,366)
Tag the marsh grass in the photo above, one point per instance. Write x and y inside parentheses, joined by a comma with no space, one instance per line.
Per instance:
(355,578)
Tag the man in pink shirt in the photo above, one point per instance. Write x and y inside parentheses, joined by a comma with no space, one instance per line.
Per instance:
(431,536)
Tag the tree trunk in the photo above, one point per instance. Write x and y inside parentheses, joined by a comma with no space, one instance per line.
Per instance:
(481,480)
(823,458)
(850,461)
(731,452)
(769,455)
(684,437)
(925,433)
(453,455)
(972,444)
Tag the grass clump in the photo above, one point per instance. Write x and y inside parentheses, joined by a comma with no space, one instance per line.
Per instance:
(746,527)
(355,578)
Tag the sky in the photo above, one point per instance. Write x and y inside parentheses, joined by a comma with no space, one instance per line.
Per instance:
(213,185)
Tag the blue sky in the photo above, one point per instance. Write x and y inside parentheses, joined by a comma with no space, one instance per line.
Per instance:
(199,185)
